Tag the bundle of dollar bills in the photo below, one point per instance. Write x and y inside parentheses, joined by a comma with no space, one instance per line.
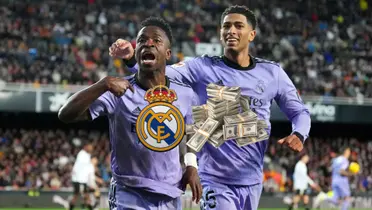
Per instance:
(225,116)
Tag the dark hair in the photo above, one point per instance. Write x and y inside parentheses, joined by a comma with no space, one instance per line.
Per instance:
(159,22)
(243,10)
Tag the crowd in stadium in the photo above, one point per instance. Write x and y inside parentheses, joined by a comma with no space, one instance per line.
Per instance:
(44,159)
(325,46)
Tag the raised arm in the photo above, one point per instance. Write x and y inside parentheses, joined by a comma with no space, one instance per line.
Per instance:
(191,176)
(97,99)
(185,72)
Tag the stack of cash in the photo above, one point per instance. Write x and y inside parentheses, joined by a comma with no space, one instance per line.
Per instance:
(223,92)
(261,135)
(244,128)
(199,113)
(202,134)
(218,108)
(219,120)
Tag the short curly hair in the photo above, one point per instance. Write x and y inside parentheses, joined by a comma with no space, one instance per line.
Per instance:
(159,22)
(243,10)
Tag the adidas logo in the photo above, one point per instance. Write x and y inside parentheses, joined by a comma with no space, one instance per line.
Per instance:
(136,110)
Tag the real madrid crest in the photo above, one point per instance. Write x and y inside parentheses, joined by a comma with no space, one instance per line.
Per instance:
(160,125)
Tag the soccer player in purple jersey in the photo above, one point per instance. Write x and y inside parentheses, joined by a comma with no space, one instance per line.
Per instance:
(231,175)
(340,181)
(142,178)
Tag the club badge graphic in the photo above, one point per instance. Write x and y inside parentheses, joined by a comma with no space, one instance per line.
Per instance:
(160,125)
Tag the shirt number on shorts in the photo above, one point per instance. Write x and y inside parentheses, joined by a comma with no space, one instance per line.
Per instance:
(210,199)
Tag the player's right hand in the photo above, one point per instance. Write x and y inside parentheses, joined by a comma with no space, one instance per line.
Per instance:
(191,178)
(117,85)
(121,49)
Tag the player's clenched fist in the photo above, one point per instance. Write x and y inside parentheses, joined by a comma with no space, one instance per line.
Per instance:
(121,49)
(117,86)
(293,142)
(191,177)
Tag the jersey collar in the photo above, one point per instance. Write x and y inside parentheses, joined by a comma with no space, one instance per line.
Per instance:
(234,65)
(167,82)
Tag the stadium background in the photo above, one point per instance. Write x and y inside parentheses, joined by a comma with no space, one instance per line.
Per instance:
(49,49)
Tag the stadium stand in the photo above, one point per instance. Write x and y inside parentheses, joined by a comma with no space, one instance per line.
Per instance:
(324,46)
(64,42)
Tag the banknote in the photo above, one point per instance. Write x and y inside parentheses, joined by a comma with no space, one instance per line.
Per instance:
(262,124)
(245,141)
(223,92)
(201,136)
(192,128)
(239,130)
(244,103)
(261,136)
(247,116)
(216,139)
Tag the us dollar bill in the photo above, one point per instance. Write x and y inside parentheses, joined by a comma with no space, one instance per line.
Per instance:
(262,124)
(247,116)
(201,136)
(262,135)
(216,139)
(240,130)
(223,92)
(244,103)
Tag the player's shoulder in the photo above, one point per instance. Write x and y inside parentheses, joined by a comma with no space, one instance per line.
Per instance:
(211,59)
(266,63)
(201,60)
(179,84)
(180,87)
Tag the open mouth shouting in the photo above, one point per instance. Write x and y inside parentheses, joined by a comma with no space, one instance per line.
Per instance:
(148,58)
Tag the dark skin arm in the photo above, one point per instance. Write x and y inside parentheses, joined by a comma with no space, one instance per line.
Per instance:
(191,176)
(77,106)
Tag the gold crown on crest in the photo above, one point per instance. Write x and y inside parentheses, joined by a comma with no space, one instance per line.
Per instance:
(160,93)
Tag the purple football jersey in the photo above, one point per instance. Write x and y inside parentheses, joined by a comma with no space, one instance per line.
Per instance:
(263,81)
(133,164)
(339,163)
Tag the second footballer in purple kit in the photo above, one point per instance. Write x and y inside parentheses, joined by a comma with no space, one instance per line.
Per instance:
(231,175)
(142,178)
(340,179)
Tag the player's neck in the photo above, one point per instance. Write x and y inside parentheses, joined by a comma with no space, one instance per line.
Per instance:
(241,58)
(151,79)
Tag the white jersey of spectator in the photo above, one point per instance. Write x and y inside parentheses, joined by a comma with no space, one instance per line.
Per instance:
(80,169)
(301,180)
(91,176)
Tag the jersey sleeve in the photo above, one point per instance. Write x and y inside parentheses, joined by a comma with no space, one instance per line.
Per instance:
(190,71)
(103,106)
(131,64)
(291,104)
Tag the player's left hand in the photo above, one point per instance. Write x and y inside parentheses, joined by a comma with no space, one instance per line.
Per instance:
(293,142)
(191,177)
